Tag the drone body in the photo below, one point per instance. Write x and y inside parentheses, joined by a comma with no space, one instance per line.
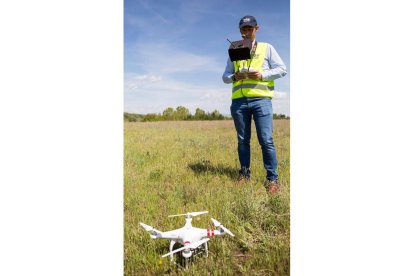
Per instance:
(190,237)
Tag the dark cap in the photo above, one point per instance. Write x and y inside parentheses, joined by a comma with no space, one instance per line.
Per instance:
(248,20)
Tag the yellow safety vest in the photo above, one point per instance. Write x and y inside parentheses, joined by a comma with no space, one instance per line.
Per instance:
(253,88)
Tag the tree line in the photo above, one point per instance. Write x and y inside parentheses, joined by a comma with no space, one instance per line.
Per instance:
(182,113)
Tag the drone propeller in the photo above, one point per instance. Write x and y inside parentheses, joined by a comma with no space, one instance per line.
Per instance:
(154,233)
(191,214)
(219,225)
(146,227)
(187,246)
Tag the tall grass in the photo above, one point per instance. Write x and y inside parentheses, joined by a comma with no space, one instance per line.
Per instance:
(178,167)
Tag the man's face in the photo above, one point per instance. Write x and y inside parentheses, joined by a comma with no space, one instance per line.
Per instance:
(249,31)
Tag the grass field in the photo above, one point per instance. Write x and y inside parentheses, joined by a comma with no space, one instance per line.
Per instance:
(178,167)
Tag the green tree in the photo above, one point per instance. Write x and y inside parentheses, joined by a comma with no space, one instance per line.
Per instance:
(216,115)
(181,113)
(280,116)
(168,114)
(150,117)
(199,114)
(131,117)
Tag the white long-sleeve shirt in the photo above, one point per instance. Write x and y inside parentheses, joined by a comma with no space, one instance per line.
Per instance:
(273,67)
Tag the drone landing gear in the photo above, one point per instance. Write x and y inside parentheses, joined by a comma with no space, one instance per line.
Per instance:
(205,250)
(171,249)
(196,253)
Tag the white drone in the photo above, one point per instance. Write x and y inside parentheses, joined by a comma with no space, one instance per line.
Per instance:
(190,237)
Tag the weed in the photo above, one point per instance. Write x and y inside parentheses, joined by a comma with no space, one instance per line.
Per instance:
(178,167)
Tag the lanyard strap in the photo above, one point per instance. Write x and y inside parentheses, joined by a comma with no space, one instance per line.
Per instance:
(252,53)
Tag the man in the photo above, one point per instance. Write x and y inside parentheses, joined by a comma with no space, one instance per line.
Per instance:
(251,97)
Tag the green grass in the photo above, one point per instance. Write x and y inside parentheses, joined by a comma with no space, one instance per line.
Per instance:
(178,167)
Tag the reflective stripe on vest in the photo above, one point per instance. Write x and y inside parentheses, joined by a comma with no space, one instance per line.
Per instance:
(252,85)
(253,88)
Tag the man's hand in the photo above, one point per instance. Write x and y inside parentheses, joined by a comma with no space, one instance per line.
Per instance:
(240,76)
(254,75)
(250,75)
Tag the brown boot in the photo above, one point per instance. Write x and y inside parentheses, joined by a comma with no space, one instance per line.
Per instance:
(272,187)
(243,179)
(244,176)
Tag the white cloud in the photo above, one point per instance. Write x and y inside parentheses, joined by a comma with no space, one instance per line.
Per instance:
(169,76)
(135,81)
(281,95)
(159,83)
(150,78)
(164,68)
(281,103)
(164,58)
(145,96)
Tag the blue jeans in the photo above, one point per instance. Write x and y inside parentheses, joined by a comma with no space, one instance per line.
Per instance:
(242,110)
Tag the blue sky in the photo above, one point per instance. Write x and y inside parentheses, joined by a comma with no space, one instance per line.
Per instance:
(175,51)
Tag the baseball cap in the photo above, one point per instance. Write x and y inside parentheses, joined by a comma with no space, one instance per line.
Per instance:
(248,20)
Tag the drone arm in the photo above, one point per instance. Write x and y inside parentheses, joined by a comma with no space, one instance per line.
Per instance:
(174,251)
(187,246)
(219,233)
(213,232)
(223,230)
(154,233)
(189,215)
